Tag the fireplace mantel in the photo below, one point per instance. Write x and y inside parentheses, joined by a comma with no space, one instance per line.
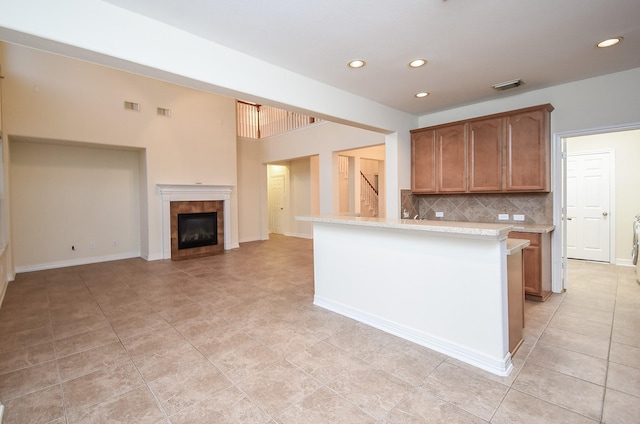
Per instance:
(193,192)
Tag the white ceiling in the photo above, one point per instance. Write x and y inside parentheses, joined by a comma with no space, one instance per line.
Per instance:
(470,44)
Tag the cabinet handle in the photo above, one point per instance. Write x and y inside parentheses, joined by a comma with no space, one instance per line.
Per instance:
(605,213)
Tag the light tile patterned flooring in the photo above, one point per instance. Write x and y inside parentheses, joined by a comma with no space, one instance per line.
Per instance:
(235,338)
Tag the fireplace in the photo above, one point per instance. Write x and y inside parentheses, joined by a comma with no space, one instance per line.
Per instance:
(195,199)
(196,227)
(197,230)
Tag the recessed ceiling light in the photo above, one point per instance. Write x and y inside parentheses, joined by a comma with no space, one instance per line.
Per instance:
(417,63)
(421,95)
(609,42)
(357,63)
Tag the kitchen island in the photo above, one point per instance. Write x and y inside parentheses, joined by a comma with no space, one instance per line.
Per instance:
(440,284)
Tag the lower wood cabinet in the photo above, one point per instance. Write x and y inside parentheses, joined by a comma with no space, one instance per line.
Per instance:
(536,263)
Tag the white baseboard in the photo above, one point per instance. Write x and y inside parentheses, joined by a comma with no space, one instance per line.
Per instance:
(624,262)
(500,367)
(76,262)
(299,235)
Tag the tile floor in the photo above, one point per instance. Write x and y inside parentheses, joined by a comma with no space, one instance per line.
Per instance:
(235,338)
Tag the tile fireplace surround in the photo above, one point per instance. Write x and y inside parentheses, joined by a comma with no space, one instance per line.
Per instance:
(196,192)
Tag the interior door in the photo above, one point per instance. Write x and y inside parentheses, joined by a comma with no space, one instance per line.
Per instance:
(276,203)
(588,206)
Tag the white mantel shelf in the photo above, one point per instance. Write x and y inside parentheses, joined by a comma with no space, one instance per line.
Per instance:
(193,193)
(439,284)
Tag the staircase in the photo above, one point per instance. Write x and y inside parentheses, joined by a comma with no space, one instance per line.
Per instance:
(368,197)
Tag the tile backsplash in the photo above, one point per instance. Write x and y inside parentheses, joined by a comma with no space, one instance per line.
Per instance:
(537,208)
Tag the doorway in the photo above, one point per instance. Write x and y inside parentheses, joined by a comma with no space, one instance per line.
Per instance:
(588,205)
(276,202)
(624,142)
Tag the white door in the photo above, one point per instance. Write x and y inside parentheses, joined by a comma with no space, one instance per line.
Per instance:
(588,206)
(276,203)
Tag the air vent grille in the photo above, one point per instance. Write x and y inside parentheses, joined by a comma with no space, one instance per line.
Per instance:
(164,112)
(132,106)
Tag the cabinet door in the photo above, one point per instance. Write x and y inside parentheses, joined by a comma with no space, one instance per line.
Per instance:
(532,270)
(485,155)
(451,154)
(423,162)
(528,151)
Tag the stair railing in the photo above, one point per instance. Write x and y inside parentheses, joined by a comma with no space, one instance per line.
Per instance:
(369,194)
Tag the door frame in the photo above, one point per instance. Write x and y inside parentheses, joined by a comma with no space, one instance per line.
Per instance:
(612,198)
(559,156)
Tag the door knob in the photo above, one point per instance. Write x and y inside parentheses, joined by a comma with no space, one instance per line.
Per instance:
(605,213)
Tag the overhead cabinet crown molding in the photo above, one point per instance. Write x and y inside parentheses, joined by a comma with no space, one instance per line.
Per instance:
(504,152)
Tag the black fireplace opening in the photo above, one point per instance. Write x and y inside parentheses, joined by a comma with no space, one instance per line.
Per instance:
(197,230)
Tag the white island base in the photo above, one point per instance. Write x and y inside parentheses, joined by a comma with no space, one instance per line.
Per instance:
(442,285)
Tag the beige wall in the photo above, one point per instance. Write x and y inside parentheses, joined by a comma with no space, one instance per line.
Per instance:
(251,196)
(70,195)
(5,253)
(626,147)
(51,97)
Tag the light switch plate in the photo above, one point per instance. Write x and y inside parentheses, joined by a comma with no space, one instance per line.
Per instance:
(518,217)
(439,214)
(503,217)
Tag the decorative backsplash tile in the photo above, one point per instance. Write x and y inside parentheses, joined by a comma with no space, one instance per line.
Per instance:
(536,207)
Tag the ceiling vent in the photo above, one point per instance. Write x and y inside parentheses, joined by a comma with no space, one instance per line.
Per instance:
(132,106)
(508,84)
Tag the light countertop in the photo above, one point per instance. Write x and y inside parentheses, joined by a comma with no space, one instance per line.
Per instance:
(447,228)
(536,228)
(516,245)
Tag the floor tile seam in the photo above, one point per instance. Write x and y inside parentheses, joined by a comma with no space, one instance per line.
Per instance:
(558,405)
(550,325)
(30,392)
(327,387)
(606,376)
(461,407)
(564,348)
(62,381)
(77,410)
(146,384)
(233,385)
(625,365)
(586,318)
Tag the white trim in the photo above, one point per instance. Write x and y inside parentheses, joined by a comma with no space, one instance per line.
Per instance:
(76,262)
(299,235)
(501,368)
(193,193)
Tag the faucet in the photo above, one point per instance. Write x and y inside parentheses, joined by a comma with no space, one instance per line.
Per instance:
(415,217)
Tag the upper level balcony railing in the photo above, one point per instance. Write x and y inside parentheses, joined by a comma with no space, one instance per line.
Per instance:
(260,121)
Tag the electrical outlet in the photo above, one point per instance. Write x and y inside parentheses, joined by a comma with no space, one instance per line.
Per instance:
(503,217)
(115,243)
(92,245)
(518,217)
(439,214)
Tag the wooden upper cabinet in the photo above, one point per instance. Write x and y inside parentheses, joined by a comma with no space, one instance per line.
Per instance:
(423,161)
(451,155)
(505,152)
(485,155)
(528,150)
